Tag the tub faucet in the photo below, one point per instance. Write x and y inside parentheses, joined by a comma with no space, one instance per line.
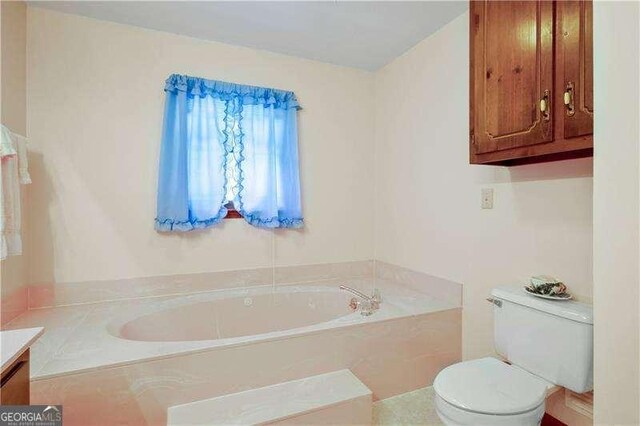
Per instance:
(368,305)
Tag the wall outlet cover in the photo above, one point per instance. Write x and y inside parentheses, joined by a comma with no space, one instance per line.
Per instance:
(486,198)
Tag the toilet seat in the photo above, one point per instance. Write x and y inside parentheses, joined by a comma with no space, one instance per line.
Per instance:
(489,391)
(455,416)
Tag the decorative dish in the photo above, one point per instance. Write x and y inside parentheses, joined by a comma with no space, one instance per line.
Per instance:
(559,296)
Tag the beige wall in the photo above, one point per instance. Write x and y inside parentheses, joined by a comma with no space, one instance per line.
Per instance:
(95,116)
(14,77)
(13,80)
(428,196)
(616,221)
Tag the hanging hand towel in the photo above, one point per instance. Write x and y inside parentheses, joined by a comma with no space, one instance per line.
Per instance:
(14,171)
(23,163)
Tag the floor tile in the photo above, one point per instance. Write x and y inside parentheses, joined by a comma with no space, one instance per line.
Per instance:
(411,408)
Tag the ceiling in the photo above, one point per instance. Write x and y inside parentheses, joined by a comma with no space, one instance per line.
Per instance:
(361,34)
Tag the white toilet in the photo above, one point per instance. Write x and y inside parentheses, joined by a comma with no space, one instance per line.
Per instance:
(546,342)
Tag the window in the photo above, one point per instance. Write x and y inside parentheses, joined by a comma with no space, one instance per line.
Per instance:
(226,144)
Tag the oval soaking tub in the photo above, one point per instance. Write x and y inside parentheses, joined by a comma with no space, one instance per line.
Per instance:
(238,316)
(158,352)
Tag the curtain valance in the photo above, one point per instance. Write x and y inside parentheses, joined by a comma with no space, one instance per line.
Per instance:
(248,95)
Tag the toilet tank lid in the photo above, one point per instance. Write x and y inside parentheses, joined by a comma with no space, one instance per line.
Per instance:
(569,309)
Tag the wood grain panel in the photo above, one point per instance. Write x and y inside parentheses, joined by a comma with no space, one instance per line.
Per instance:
(512,69)
(14,384)
(576,27)
(505,125)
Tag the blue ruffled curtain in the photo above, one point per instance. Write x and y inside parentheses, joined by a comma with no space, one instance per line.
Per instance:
(218,134)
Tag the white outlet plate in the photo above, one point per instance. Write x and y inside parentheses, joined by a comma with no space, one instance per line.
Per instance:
(487,198)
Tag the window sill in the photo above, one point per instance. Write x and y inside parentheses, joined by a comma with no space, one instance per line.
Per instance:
(233,214)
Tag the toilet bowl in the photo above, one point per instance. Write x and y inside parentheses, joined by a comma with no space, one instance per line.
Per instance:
(488,391)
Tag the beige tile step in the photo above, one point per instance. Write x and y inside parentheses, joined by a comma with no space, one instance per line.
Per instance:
(332,398)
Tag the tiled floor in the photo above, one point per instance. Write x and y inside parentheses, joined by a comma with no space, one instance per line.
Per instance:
(411,408)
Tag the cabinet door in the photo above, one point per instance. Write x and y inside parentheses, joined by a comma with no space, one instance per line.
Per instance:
(575,31)
(511,74)
(14,382)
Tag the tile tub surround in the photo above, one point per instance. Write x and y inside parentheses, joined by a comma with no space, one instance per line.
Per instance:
(98,376)
(440,288)
(61,294)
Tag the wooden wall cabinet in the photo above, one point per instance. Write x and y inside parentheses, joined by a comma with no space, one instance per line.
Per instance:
(531,81)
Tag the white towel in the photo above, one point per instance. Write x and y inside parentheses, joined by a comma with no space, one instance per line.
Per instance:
(23,162)
(14,171)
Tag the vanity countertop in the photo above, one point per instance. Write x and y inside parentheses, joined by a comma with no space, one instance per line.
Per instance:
(13,343)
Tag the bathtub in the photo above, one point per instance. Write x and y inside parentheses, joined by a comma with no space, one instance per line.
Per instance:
(153,353)
(247,315)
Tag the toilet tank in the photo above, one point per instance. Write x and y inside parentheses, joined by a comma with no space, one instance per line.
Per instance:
(551,339)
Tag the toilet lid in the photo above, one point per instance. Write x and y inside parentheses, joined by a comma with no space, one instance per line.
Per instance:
(490,386)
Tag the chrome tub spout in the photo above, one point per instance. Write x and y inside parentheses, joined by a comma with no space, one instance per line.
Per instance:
(368,305)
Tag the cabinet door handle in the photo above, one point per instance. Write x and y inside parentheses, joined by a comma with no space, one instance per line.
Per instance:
(568,99)
(544,106)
